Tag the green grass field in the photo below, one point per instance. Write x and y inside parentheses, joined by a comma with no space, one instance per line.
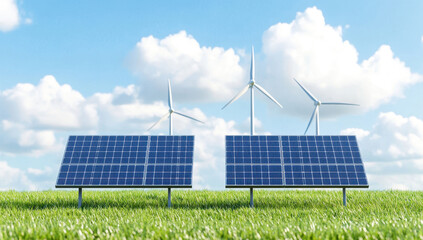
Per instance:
(212,214)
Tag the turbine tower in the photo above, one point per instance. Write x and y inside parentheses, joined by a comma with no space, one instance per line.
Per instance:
(317,104)
(171,111)
(251,86)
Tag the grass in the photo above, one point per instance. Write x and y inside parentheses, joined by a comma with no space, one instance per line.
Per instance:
(212,214)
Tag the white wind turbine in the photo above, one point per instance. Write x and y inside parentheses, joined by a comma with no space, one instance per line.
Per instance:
(317,104)
(251,86)
(171,111)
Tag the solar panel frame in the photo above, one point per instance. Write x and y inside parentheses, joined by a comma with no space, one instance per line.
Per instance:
(272,160)
(108,160)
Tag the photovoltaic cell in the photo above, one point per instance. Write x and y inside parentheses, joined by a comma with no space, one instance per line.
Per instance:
(127,161)
(290,161)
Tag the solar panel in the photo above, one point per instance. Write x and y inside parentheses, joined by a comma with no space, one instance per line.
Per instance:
(294,161)
(127,161)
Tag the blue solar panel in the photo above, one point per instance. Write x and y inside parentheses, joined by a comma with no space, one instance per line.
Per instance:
(127,161)
(291,161)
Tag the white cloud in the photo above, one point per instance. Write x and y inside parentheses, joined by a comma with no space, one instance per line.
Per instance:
(359,133)
(21,139)
(206,73)
(391,149)
(396,181)
(209,168)
(32,115)
(393,137)
(9,15)
(47,105)
(14,178)
(32,179)
(40,172)
(316,54)
(124,110)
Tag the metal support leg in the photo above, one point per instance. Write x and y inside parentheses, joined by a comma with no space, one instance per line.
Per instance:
(79,197)
(344,194)
(169,197)
(251,198)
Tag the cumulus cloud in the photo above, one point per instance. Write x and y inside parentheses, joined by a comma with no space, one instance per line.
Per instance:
(9,15)
(47,105)
(206,73)
(40,172)
(391,149)
(14,178)
(124,110)
(32,115)
(392,137)
(316,54)
(396,181)
(21,139)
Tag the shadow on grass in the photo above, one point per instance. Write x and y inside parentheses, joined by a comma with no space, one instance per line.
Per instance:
(159,201)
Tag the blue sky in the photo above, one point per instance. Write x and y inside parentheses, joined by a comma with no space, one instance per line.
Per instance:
(100,67)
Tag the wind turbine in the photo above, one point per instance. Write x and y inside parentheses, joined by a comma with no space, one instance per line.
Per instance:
(171,111)
(251,86)
(317,104)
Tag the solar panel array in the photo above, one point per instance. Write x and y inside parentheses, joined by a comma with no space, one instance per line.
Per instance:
(127,161)
(290,161)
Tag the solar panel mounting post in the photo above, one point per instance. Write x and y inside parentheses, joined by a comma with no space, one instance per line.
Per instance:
(169,197)
(251,198)
(344,194)
(79,197)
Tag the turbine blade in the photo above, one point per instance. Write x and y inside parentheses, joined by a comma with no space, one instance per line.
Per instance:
(311,119)
(307,92)
(338,103)
(183,115)
(161,120)
(261,89)
(169,95)
(252,66)
(244,90)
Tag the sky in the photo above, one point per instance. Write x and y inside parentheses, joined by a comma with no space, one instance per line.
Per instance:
(101,67)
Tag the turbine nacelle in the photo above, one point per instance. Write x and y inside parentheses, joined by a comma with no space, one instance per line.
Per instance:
(317,104)
(251,84)
(171,111)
